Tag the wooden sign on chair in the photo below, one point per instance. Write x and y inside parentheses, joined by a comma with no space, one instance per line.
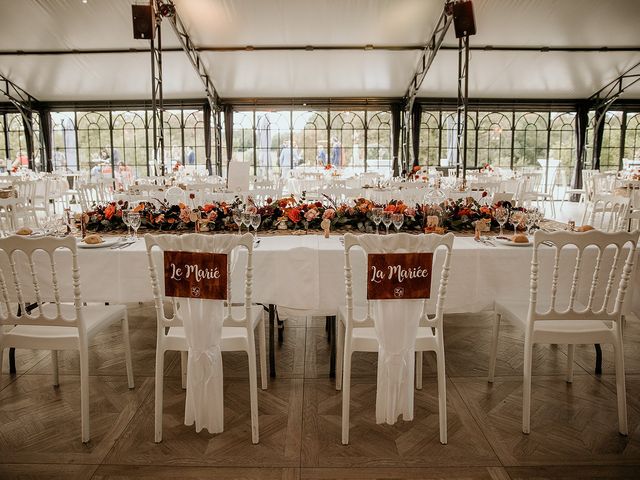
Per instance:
(399,276)
(195,275)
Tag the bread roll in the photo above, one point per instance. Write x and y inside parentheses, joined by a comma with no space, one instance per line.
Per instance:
(24,231)
(93,239)
(584,228)
(520,238)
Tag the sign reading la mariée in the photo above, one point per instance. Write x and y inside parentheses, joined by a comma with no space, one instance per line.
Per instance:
(195,275)
(399,275)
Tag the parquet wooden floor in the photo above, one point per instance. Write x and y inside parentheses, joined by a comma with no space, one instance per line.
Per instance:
(574,427)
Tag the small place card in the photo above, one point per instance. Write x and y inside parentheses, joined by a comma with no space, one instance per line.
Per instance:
(195,275)
(399,276)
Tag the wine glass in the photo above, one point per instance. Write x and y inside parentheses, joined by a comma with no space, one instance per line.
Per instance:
(386,220)
(135,220)
(237,218)
(255,222)
(531,218)
(245,217)
(125,220)
(398,220)
(376,216)
(502,215)
(515,218)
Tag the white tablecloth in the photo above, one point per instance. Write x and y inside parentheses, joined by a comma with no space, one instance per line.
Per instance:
(306,273)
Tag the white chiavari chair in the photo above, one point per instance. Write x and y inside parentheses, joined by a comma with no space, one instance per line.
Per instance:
(577,294)
(359,328)
(175,195)
(607,212)
(33,274)
(239,324)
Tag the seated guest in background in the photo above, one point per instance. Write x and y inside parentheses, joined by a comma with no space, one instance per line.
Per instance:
(321,157)
(191,156)
(124,176)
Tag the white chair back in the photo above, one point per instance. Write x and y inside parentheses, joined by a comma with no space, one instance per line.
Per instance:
(90,195)
(570,294)
(30,273)
(174,195)
(608,212)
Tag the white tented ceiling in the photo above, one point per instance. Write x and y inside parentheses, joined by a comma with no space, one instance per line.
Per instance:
(64,25)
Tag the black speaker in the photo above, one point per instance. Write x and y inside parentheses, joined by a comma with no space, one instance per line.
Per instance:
(463,20)
(142,22)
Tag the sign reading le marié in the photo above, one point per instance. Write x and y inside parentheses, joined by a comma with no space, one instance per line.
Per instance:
(195,275)
(398,275)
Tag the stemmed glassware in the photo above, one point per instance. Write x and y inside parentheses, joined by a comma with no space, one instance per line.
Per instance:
(237,218)
(376,216)
(134,221)
(398,220)
(386,220)
(501,215)
(245,217)
(125,220)
(532,217)
(255,222)
(515,218)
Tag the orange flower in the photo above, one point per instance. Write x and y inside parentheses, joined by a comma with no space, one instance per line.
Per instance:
(109,211)
(139,208)
(207,207)
(485,210)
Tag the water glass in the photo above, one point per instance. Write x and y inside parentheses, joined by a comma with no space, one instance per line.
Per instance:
(125,220)
(376,216)
(502,215)
(134,221)
(398,220)
(386,220)
(255,222)
(237,218)
(245,217)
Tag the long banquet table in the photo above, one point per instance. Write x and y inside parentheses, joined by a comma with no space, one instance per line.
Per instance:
(305,274)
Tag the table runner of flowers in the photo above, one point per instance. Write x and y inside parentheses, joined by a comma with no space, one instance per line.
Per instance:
(291,213)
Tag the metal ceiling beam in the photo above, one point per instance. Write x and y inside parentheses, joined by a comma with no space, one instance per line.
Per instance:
(25,104)
(295,48)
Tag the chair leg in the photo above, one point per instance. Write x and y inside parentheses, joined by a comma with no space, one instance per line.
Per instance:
(418,370)
(84,392)
(570,351)
(158,394)
(621,391)
(127,349)
(253,394)
(54,368)
(184,360)
(339,351)
(526,387)
(493,352)
(346,394)
(442,394)
(262,344)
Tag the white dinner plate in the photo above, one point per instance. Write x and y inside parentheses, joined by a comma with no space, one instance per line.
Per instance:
(107,243)
(513,244)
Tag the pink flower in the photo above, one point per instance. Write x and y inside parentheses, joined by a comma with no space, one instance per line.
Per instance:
(212,216)
(410,212)
(310,215)
(185,214)
(329,213)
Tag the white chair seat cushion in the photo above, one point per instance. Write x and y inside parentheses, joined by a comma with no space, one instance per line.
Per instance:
(96,318)
(578,331)
(176,339)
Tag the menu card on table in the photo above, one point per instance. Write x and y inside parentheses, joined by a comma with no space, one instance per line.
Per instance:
(195,275)
(399,275)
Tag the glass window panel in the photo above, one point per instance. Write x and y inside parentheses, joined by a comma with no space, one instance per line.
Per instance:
(347,140)
(494,139)
(530,140)
(429,139)
(94,151)
(310,138)
(632,137)
(379,144)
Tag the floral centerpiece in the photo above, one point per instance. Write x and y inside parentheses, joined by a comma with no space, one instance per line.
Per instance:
(291,213)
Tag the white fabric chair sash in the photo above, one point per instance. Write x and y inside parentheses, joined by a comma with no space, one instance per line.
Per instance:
(396,325)
(202,320)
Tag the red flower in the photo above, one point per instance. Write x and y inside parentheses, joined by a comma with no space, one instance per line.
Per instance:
(294,215)
(269,200)
(318,204)
(207,207)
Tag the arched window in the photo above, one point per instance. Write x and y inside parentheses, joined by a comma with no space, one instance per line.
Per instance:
(530,141)
(273,143)
(16,134)
(93,142)
(429,139)
(610,150)
(242,137)
(130,141)
(449,138)
(494,139)
(310,138)
(632,138)
(65,151)
(3,145)
(173,152)
(379,155)
(562,145)
(347,139)
(194,138)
